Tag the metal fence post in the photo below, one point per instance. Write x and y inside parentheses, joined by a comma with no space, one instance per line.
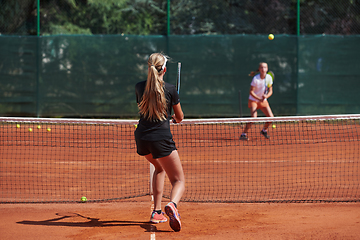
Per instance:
(38,60)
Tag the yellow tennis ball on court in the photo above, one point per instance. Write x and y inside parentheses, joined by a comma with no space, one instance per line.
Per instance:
(135,125)
(271,36)
(273,126)
(38,126)
(30,129)
(48,129)
(83,199)
(18,125)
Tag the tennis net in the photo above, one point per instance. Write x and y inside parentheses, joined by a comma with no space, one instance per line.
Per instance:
(306,159)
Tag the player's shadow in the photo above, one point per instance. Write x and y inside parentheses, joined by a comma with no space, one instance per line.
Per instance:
(78,220)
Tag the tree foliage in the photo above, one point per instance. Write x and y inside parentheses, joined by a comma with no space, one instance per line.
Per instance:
(18,17)
(139,17)
(149,17)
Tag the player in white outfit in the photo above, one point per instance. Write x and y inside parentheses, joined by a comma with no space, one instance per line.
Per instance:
(260,90)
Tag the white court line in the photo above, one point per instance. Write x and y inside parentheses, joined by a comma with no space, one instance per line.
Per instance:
(152,228)
(283,161)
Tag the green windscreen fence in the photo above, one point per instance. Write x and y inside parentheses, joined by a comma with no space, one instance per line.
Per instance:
(95,76)
(329,75)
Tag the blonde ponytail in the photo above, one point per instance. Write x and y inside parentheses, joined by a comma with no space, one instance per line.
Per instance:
(153,105)
(253,73)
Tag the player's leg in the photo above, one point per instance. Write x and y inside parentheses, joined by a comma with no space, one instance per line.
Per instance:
(158,189)
(254,114)
(175,173)
(172,165)
(158,181)
(253,111)
(253,106)
(267,111)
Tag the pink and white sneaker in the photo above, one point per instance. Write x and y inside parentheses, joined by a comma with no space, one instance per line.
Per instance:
(174,216)
(157,218)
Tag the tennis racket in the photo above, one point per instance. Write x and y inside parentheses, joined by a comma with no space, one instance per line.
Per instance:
(178,77)
(178,82)
(267,87)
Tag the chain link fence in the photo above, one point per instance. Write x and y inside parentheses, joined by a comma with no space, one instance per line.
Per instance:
(179,17)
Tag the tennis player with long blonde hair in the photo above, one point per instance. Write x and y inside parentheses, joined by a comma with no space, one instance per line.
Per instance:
(154,140)
(260,90)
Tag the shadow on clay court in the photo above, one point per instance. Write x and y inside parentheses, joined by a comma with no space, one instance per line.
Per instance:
(77,220)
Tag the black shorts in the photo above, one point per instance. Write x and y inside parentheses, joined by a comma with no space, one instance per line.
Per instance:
(158,149)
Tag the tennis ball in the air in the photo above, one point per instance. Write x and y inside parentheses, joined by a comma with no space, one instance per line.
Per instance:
(271,36)
(273,126)
(48,129)
(38,126)
(135,125)
(18,125)
(83,199)
(30,129)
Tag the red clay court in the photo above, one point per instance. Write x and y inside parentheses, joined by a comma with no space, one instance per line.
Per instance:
(303,183)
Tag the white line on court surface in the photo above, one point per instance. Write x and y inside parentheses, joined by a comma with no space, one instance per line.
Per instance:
(152,227)
(283,161)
